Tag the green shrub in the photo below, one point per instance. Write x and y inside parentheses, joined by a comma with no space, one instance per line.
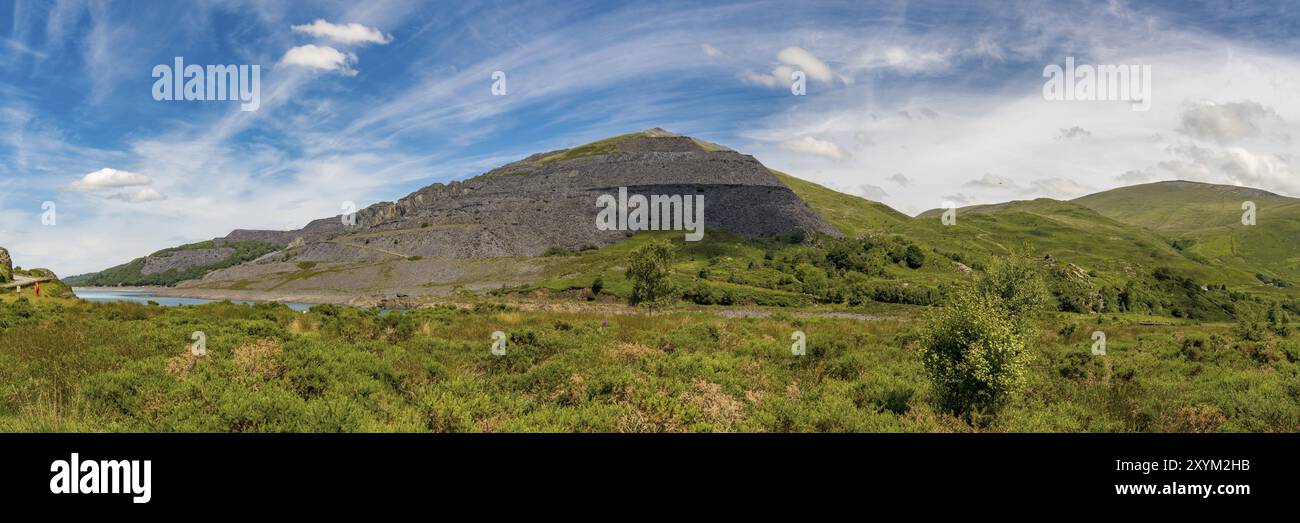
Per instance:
(975,353)
(914,257)
(1250,324)
(1018,285)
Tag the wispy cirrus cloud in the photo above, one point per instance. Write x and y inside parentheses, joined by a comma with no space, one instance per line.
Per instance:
(143,195)
(790,59)
(812,145)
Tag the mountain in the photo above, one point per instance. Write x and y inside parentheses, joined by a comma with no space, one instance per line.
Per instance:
(1205,222)
(468,231)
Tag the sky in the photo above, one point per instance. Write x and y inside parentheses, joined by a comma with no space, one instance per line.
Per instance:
(910,103)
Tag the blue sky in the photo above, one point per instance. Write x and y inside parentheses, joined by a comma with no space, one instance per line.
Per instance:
(909,103)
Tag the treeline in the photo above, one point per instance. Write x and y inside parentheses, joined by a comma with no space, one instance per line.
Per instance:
(854,271)
(827,270)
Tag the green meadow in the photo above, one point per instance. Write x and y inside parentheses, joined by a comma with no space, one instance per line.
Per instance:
(67,365)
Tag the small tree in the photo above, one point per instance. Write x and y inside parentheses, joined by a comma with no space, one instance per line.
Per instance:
(975,353)
(597,285)
(648,267)
(1250,321)
(1279,320)
(976,347)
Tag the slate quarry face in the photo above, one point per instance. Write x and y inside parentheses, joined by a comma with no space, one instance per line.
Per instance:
(549,200)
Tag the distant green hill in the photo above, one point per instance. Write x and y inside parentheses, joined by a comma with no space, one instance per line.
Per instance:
(852,215)
(1100,263)
(184,265)
(1204,221)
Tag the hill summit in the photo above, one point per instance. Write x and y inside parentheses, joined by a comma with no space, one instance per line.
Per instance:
(546,202)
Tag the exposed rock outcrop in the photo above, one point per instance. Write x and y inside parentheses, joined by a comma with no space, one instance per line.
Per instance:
(184,259)
(549,200)
(6,266)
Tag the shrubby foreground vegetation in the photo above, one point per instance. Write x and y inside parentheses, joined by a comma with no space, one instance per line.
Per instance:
(73,366)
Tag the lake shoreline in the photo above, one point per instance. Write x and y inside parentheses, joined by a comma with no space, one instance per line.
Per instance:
(254,295)
(161,296)
(123,288)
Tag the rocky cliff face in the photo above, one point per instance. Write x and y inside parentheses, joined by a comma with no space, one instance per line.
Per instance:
(549,200)
(6,266)
(183,260)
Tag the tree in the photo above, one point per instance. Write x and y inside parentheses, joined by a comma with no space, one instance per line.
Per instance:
(975,353)
(1250,321)
(597,285)
(976,347)
(648,267)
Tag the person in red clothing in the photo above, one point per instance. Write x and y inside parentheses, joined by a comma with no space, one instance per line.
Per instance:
(38,288)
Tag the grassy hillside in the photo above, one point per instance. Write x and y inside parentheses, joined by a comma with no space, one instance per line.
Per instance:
(130,273)
(1065,230)
(852,215)
(1204,221)
(1096,263)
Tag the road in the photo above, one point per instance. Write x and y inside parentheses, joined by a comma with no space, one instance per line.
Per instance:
(24,281)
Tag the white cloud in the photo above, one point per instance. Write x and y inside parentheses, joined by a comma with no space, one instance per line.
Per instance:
(146,194)
(1011,130)
(993,181)
(344,33)
(907,60)
(773,80)
(1060,188)
(1226,122)
(812,145)
(1134,177)
(792,59)
(109,178)
(803,60)
(323,58)
(1232,165)
(712,52)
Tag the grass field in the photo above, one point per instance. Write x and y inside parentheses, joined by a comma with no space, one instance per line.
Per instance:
(67,365)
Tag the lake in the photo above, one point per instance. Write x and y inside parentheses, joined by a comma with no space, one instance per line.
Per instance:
(144,296)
